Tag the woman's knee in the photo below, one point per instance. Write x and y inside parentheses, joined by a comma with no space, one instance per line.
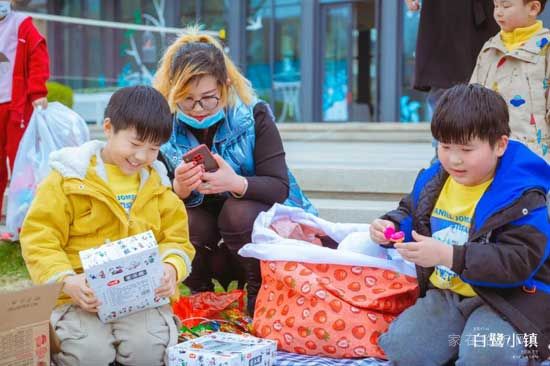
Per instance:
(203,228)
(237,216)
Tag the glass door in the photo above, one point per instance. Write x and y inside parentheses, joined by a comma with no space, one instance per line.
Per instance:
(336,25)
(348,61)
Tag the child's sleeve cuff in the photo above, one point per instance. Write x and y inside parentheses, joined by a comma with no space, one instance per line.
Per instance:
(179,264)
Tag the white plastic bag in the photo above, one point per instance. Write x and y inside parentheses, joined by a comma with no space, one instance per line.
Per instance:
(356,248)
(49,130)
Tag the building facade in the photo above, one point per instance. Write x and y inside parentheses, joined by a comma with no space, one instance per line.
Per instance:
(312,60)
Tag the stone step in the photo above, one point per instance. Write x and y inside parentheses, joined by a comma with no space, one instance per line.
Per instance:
(354,211)
(362,209)
(336,205)
(355,183)
(355,131)
(341,132)
(335,174)
(96,132)
(357,170)
(341,210)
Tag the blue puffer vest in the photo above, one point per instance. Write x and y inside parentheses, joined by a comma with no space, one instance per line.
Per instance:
(234,141)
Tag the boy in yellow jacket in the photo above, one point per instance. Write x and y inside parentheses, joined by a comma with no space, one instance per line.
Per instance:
(102,192)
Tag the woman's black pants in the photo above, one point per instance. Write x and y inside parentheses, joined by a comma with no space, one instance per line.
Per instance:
(218,229)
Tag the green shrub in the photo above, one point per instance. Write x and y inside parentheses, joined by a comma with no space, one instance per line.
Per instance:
(60,93)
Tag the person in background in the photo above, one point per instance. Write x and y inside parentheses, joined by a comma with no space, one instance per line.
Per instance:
(516,64)
(24,70)
(450,35)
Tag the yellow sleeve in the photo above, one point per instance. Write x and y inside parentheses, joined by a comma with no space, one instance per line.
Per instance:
(45,232)
(173,236)
(179,265)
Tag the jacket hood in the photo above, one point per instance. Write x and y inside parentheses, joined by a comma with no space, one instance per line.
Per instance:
(74,161)
(519,170)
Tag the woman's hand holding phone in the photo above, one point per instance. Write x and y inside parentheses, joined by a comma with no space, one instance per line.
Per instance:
(222,180)
(187,178)
(206,173)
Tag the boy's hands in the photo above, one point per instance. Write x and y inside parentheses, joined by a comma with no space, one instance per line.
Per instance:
(222,180)
(76,287)
(426,251)
(187,178)
(377,228)
(168,282)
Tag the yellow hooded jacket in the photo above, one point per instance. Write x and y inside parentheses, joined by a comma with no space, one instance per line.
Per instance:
(74,209)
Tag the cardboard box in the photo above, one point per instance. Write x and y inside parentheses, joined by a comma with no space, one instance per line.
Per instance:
(124,275)
(25,327)
(223,349)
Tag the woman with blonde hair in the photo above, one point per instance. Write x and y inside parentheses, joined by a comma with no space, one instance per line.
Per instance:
(215,105)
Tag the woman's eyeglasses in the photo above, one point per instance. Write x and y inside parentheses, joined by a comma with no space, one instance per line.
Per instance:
(207,103)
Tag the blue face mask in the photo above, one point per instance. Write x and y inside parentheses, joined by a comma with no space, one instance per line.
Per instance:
(205,123)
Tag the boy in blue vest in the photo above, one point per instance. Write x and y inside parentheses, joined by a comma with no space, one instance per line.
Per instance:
(477,228)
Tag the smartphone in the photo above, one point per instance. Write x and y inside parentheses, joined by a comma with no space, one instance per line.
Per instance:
(202,155)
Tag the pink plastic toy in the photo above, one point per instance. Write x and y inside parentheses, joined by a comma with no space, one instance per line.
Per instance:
(394,236)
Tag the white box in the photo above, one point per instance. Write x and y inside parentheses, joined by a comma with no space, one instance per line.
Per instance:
(223,349)
(124,275)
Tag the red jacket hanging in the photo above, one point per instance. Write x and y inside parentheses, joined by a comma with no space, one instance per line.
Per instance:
(31,71)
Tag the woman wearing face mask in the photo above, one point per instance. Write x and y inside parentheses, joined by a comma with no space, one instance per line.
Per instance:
(24,70)
(215,105)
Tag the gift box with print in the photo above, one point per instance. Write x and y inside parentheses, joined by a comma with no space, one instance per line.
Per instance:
(124,275)
(223,349)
